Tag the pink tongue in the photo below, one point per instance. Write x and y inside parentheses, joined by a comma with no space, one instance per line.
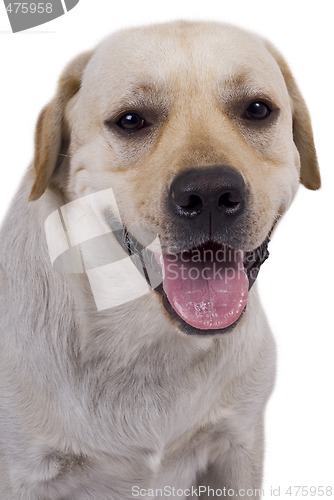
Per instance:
(208,288)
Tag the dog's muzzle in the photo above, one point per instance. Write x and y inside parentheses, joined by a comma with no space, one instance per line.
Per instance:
(205,278)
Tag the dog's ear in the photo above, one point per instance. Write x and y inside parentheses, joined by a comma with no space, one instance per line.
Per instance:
(51,137)
(302,129)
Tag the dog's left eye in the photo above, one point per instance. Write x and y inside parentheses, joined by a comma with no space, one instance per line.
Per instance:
(131,122)
(258,110)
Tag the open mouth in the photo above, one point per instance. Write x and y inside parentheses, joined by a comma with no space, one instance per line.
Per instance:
(204,289)
(206,286)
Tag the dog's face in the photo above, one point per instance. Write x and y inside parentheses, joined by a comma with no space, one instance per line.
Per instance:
(203,136)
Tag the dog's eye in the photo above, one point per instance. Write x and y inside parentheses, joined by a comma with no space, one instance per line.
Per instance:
(257,111)
(131,122)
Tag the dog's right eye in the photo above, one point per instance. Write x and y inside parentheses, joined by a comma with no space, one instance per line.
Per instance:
(131,122)
(257,110)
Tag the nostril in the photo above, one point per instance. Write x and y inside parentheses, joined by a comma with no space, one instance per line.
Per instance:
(229,201)
(195,202)
(191,206)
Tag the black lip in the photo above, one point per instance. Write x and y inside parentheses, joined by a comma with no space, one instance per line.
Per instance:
(254,259)
(185,327)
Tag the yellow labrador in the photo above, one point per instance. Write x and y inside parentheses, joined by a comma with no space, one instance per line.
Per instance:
(177,148)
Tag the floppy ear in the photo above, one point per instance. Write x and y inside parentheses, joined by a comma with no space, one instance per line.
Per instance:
(51,136)
(302,129)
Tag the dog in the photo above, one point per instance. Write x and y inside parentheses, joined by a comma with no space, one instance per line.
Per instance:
(187,141)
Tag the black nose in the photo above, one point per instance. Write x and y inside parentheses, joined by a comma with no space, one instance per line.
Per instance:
(219,191)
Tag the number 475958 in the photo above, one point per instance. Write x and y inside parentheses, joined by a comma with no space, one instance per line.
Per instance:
(29,8)
(318,491)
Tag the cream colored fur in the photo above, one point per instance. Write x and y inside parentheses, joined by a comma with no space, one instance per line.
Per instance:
(93,402)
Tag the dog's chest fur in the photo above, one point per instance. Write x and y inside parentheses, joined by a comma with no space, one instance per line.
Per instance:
(168,442)
(151,420)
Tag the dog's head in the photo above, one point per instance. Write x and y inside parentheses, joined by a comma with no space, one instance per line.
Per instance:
(203,135)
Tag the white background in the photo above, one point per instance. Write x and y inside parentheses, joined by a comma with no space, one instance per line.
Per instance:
(296,283)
